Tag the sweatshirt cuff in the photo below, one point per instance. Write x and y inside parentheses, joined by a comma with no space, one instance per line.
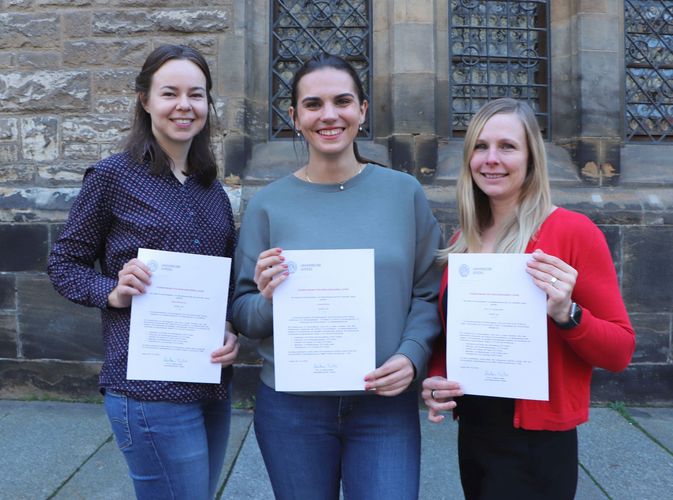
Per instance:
(416,354)
(264,310)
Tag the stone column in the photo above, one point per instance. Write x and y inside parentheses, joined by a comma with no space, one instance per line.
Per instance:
(232,81)
(413,139)
(588,85)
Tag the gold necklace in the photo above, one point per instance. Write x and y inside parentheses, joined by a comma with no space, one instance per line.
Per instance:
(341,184)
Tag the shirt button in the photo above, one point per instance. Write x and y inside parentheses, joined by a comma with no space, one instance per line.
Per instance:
(197,242)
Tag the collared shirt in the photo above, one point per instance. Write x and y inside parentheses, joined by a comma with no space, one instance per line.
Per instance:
(120,208)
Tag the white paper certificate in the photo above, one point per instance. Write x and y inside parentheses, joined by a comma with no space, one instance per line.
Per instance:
(180,319)
(496,327)
(324,331)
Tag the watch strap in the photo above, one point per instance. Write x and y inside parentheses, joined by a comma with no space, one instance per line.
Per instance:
(574,318)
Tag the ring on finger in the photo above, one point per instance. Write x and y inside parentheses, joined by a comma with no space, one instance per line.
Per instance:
(553,280)
(432,394)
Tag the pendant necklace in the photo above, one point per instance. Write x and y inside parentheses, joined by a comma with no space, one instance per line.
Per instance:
(341,184)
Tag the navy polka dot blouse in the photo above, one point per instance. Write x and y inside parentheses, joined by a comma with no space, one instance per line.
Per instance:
(122,207)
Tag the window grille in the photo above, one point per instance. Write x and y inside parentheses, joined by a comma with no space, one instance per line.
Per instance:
(648,28)
(498,49)
(300,29)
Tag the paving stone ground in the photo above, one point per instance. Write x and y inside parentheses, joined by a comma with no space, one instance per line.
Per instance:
(66,451)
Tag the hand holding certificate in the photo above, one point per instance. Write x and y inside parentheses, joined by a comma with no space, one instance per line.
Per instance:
(180,319)
(496,327)
(324,322)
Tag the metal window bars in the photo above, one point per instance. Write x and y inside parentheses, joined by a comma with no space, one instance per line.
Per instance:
(300,29)
(498,49)
(648,36)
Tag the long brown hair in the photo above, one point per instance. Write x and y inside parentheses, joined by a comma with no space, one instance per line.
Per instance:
(141,143)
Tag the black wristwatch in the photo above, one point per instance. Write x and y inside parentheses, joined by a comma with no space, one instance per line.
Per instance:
(574,319)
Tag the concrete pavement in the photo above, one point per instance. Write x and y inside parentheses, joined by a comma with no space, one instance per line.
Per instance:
(54,450)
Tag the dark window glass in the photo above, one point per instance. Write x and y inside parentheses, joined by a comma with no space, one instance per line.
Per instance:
(497,49)
(301,28)
(648,28)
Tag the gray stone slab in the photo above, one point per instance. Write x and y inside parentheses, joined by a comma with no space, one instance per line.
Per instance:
(587,489)
(54,328)
(249,479)
(105,475)
(622,459)
(240,424)
(658,422)
(440,477)
(44,443)
(50,447)
(658,161)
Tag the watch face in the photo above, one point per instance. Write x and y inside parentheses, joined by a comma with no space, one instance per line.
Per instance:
(575,314)
(574,319)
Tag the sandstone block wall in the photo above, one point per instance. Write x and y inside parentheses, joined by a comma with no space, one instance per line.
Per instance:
(66,91)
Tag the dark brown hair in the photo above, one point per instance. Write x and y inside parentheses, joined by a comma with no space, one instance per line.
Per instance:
(323,60)
(141,143)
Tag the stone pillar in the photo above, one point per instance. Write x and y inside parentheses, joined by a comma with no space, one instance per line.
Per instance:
(413,139)
(588,85)
(231,81)
(243,78)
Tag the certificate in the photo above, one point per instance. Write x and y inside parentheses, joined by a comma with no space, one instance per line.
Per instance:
(496,332)
(180,319)
(324,326)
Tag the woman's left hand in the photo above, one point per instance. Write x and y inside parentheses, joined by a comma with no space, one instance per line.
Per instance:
(226,355)
(392,377)
(557,279)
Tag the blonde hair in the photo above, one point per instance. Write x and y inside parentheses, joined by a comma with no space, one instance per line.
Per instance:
(474,210)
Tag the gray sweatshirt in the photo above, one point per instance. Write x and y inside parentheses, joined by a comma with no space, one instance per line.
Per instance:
(381,209)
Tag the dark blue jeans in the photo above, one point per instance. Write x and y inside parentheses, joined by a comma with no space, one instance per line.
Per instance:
(173,450)
(371,444)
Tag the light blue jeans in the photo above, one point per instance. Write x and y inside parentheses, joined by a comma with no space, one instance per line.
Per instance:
(371,444)
(173,450)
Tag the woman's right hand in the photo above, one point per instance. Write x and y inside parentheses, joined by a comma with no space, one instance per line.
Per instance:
(134,277)
(438,394)
(270,271)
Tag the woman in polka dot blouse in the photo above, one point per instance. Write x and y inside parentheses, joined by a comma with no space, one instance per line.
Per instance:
(161,193)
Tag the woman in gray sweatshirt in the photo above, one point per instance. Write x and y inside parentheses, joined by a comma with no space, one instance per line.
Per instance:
(367,442)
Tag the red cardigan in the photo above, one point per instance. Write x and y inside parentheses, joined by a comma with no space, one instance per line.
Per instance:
(604,338)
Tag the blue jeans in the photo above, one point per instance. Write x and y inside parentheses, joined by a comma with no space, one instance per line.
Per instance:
(173,450)
(371,444)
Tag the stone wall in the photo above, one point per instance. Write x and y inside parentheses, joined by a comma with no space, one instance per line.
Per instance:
(66,73)
(66,91)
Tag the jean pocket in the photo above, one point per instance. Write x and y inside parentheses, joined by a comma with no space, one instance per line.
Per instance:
(117,409)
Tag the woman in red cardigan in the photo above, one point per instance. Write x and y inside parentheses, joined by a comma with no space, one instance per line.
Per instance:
(524,449)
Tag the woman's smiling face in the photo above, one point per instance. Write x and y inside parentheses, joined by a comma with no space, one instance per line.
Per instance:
(177,103)
(328,112)
(499,161)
